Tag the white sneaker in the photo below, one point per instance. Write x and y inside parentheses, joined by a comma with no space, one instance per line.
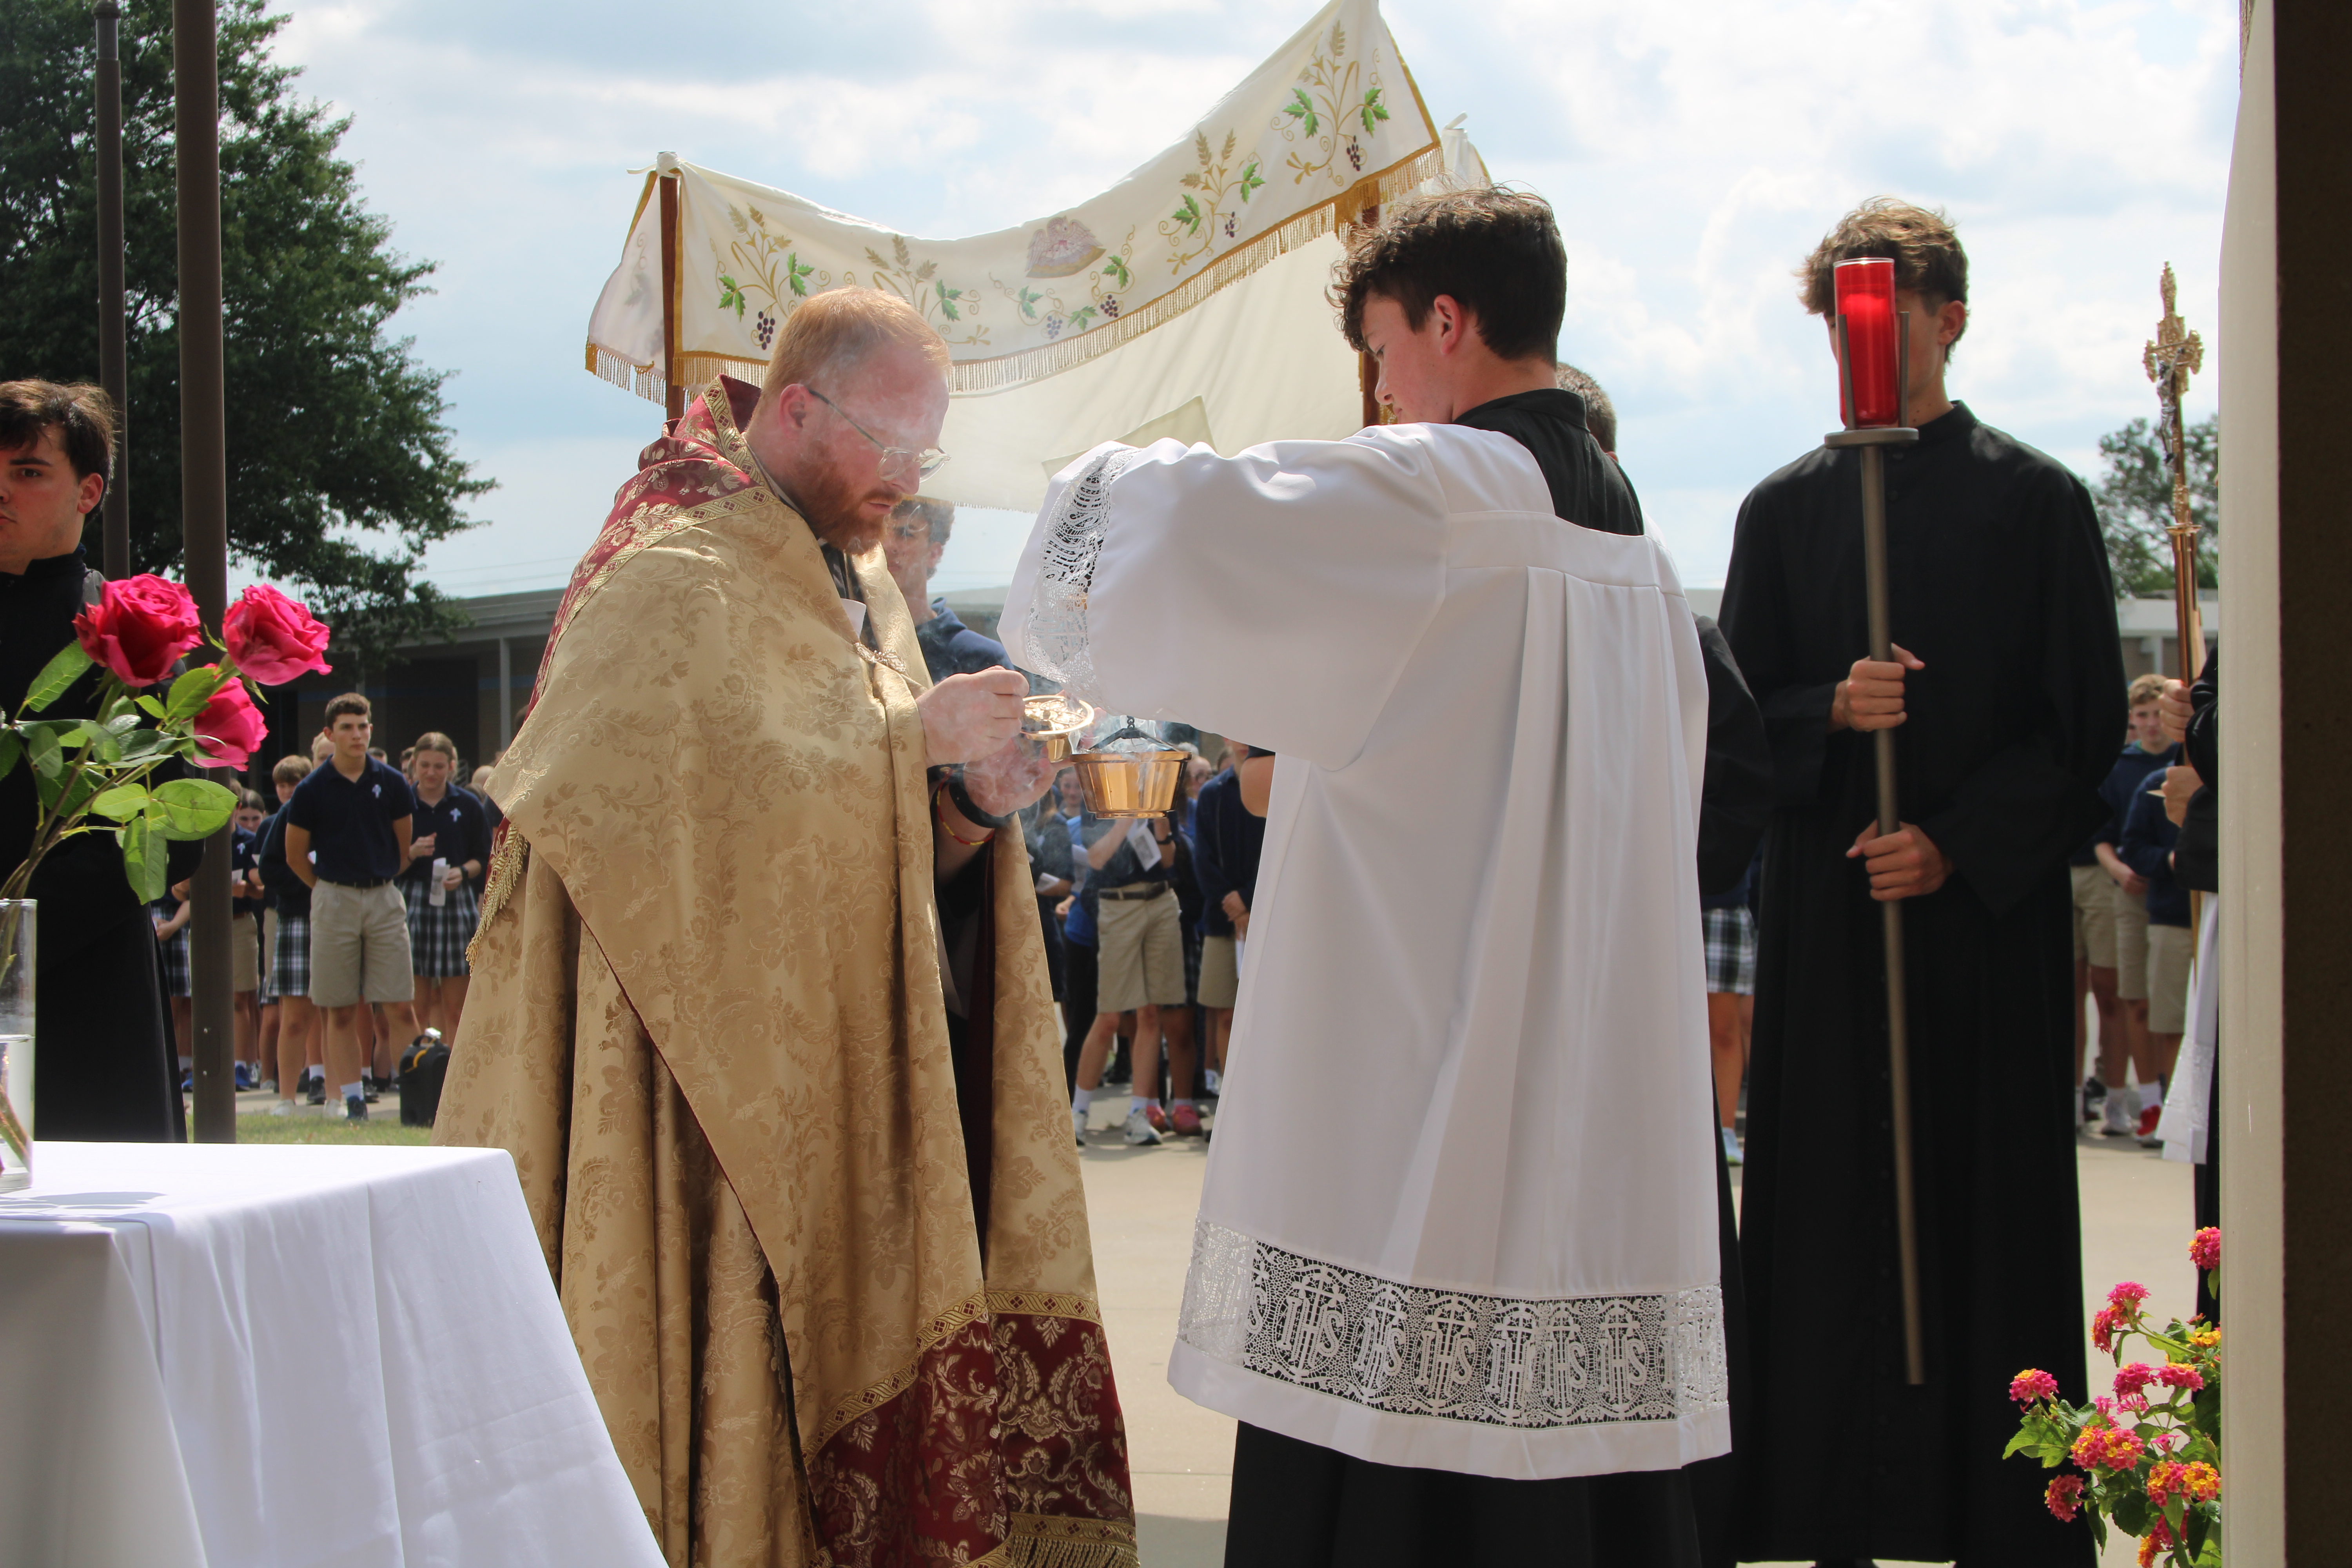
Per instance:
(1731,1154)
(1210,1082)
(2118,1120)
(1139,1128)
(283,1107)
(1078,1125)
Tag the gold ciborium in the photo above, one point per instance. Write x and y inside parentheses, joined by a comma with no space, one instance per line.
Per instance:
(1130,784)
(1053,723)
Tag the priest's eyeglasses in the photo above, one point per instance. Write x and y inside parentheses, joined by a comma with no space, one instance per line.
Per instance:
(897,462)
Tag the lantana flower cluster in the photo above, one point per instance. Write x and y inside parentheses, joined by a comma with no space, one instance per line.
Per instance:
(2146,1456)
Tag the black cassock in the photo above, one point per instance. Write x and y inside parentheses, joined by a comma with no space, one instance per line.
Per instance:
(1297,1505)
(1999,581)
(105,1069)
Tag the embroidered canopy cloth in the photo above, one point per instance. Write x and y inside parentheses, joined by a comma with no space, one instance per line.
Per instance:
(706,1020)
(1054,324)
(1501,1257)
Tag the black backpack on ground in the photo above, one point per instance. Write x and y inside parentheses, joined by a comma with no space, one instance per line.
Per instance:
(422,1065)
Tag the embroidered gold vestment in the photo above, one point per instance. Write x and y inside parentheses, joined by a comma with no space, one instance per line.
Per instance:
(707,1021)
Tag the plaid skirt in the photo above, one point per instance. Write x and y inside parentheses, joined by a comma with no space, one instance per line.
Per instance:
(175,962)
(437,938)
(1730,950)
(289,966)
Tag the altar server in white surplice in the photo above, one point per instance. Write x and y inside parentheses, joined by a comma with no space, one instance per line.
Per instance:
(1460,1215)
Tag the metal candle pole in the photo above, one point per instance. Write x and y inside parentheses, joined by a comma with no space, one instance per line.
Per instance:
(1873,439)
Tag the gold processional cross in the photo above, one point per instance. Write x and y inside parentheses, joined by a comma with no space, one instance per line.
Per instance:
(2175,353)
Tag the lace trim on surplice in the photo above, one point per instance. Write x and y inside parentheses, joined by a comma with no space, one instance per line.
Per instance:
(1074,542)
(1503,1361)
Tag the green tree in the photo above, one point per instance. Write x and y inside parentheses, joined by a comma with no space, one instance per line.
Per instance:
(340,467)
(2134,502)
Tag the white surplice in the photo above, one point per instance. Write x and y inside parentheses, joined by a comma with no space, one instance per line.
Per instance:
(1460,1212)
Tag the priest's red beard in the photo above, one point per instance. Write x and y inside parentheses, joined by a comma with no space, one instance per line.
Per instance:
(833,504)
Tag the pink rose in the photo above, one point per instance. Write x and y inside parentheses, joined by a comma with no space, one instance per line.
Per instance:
(230,729)
(2131,1379)
(2063,1496)
(2127,1297)
(272,637)
(2180,1374)
(140,628)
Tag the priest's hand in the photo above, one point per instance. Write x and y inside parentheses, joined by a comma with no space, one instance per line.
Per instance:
(1009,777)
(1903,864)
(2180,782)
(2174,708)
(970,716)
(1871,696)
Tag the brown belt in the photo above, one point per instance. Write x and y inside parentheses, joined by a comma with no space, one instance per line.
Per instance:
(1135,891)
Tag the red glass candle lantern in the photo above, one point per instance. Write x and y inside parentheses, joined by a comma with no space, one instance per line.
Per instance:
(1865,300)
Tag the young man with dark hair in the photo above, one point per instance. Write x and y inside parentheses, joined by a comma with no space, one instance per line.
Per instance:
(99,984)
(1600,413)
(1397,1303)
(2008,688)
(355,813)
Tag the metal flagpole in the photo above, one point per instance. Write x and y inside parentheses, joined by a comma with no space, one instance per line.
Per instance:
(203,507)
(1873,442)
(113,352)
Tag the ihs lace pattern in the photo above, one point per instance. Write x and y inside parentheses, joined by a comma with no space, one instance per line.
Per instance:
(1412,1350)
(1057,610)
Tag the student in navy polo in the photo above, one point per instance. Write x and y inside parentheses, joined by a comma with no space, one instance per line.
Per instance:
(449,831)
(347,836)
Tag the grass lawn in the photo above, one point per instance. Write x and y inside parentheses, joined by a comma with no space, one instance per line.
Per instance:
(329,1130)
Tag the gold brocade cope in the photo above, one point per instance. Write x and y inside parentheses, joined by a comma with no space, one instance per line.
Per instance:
(706,1019)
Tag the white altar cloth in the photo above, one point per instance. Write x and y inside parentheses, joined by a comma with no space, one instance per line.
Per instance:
(275,1356)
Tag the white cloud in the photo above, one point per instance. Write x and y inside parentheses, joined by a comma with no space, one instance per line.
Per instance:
(1696,153)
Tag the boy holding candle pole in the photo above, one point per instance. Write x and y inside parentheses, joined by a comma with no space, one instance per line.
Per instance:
(2007,686)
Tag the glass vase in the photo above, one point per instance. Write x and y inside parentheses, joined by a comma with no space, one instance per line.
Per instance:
(17,932)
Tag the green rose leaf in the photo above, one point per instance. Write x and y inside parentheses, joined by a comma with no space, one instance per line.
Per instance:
(192,808)
(142,859)
(122,803)
(151,706)
(41,747)
(192,692)
(56,676)
(11,748)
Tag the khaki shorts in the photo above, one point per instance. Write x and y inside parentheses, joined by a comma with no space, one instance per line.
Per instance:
(2131,946)
(359,946)
(2094,916)
(243,953)
(2167,979)
(1221,974)
(1139,955)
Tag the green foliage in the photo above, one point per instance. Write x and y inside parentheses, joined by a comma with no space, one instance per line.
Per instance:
(336,435)
(1302,109)
(1373,110)
(2135,503)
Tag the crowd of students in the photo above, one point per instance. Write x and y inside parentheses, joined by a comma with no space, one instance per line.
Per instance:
(354,902)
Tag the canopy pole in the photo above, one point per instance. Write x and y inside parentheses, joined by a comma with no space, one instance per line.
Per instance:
(113,352)
(203,509)
(673,393)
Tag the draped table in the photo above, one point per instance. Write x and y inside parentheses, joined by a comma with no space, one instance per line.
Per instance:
(279,1355)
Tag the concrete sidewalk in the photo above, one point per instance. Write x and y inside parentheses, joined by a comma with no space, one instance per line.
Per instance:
(1140,1203)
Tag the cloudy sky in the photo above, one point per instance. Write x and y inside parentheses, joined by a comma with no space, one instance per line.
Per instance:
(1695,153)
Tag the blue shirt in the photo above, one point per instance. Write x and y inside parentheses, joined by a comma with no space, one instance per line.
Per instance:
(460,833)
(244,855)
(950,647)
(2146,848)
(350,821)
(1227,843)
(2126,782)
(1078,925)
